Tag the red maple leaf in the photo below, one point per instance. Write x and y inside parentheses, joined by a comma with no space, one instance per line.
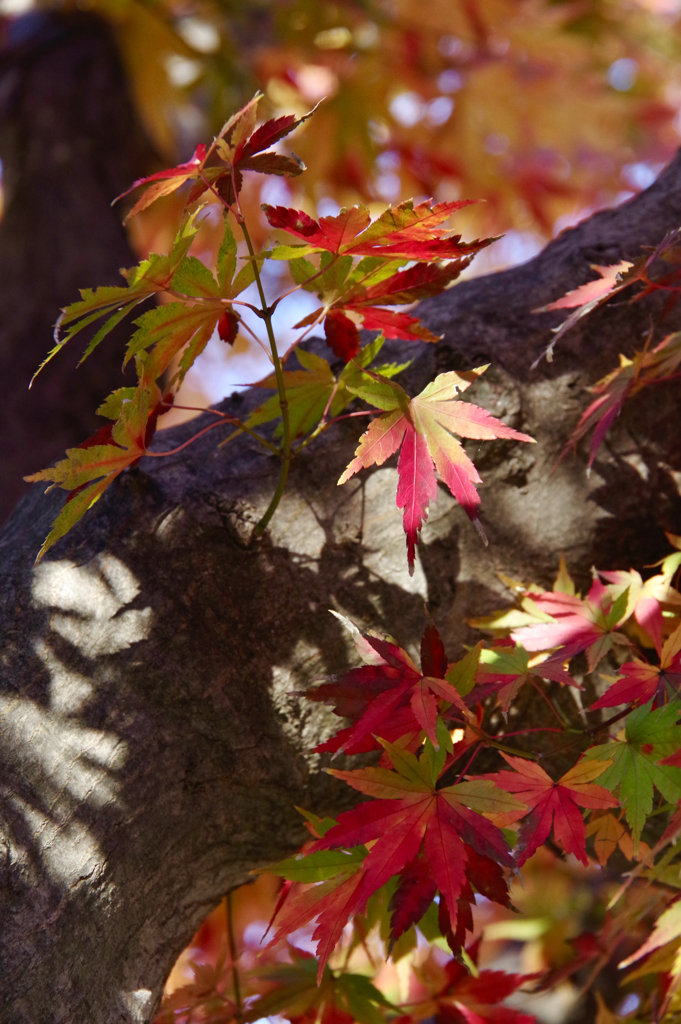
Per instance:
(417,887)
(643,681)
(450,994)
(164,182)
(554,803)
(390,697)
(421,281)
(423,427)
(239,147)
(411,815)
(228,327)
(342,335)
(405,231)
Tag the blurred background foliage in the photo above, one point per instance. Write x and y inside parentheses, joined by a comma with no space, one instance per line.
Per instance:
(561,927)
(546,109)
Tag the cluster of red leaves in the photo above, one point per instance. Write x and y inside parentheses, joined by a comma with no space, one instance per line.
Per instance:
(353,296)
(431,833)
(430,836)
(431,825)
(389,696)
(438,838)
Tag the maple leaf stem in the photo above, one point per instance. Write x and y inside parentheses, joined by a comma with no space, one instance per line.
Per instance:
(548,700)
(660,380)
(197,301)
(605,725)
(233,956)
(522,732)
(217,195)
(472,758)
(351,415)
(244,326)
(228,419)
(328,404)
(174,451)
(489,742)
(303,284)
(324,426)
(303,336)
(279,373)
(580,733)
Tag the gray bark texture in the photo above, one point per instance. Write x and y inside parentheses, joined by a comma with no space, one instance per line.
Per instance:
(152,745)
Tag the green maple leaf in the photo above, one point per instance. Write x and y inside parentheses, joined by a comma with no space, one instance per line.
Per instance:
(308,390)
(634,774)
(87,471)
(151,276)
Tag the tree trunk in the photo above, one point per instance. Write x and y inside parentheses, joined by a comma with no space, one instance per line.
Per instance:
(153,744)
(69,144)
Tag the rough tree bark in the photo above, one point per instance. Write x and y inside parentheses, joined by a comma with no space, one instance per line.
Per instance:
(151,749)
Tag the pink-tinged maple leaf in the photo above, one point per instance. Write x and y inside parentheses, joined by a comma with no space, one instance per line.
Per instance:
(642,681)
(591,292)
(645,601)
(613,391)
(588,624)
(405,231)
(589,296)
(450,994)
(423,428)
(390,697)
(162,183)
(554,803)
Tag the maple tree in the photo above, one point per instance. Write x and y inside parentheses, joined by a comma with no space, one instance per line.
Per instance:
(434,842)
